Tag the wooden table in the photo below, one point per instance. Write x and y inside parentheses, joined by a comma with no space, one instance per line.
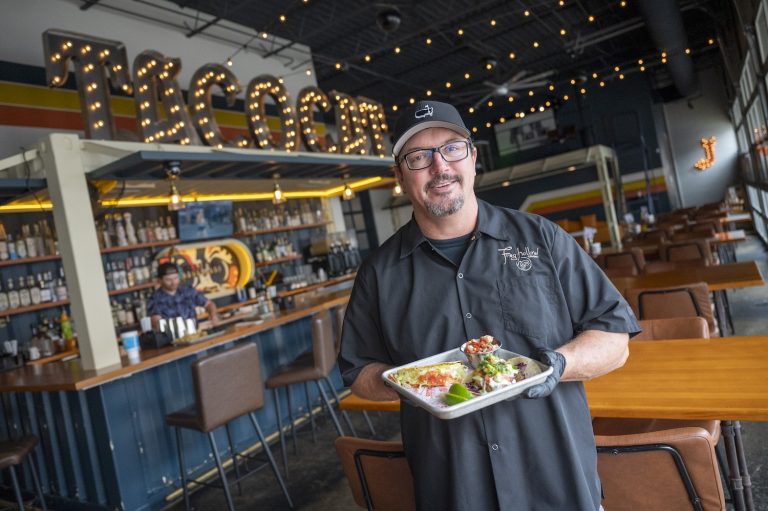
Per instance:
(723,379)
(718,277)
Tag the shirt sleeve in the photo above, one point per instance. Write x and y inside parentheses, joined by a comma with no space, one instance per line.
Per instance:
(153,308)
(198,298)
(593,301)
(361,340)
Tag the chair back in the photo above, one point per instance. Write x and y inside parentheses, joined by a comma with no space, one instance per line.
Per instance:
(654,235)
(673,302)
(378,473)
(691,250)
(630,258)
(712,225)
(701,234)
(338,315)
(323,343)
(227,385)
(662,266)
(673,328)
(659,470)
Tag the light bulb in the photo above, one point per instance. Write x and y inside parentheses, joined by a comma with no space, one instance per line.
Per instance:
(278,197)
(397,191)
(175,202)
(348,193)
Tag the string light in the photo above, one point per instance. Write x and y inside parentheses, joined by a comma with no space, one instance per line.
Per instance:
(467,76)
(591,19)
(428,41)
(562,31)
(493,23)
(394,108)
(429,92)
(460,32)
(526,13)
(282,18)
(397,190)
(397,49)
(367,58)
(535,44)
(512,55)
(447,85)
(471,110)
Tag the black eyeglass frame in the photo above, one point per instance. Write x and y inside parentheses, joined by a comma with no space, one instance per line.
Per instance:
(467,143)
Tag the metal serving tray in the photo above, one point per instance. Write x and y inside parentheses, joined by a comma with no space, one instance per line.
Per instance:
(535,373)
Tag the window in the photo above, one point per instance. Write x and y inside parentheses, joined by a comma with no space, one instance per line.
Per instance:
(358,217)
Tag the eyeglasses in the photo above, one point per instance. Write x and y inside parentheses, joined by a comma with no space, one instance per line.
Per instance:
(422,158)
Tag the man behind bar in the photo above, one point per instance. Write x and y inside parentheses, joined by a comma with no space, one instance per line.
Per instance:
(173,299)
(462,268)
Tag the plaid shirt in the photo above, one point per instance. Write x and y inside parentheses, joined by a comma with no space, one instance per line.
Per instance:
(182,303)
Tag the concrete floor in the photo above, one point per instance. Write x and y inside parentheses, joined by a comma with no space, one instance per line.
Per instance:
(317,482)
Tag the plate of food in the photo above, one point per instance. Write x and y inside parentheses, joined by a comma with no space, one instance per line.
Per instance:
(478,374)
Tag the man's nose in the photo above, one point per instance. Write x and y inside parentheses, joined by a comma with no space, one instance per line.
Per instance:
(438,162)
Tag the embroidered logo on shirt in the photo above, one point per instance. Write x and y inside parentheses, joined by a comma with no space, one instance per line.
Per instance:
(522,257)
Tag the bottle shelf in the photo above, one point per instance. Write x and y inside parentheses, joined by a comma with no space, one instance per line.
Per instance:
(314,287)
(244,234)
(29,260)
(33,308)
(132,289)
(278,260)
(151,244)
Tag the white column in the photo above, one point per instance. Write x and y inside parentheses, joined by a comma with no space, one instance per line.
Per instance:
(79,247)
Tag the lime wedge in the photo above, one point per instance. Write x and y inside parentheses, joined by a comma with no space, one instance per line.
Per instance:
(457,393)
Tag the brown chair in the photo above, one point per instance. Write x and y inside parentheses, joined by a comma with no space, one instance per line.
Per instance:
(227,386)
(653,236)
(701,234)
(673,302)
(12,454)
(314,366)
(693,327)
(378,474)
(626,271)
(691,250)
(630,258)
(668,469)
(712,225)
(662,266)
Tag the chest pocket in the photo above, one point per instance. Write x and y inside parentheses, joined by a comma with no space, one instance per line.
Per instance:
(526,305)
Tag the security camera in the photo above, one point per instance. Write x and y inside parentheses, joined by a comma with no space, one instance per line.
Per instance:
(172,168)
(388,19)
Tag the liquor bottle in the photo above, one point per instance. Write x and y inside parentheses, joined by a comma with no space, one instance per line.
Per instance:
(130,230)
(3,243)
(13,296)
(130,276)
(120,235)
(242,225)
(106,239)
(12,254)
(61,286)
(130,317)
(66,330)
(120,314)
(151,232)
(21,246)
(39,242)
(109,221)
(4,304)
(50,283)
(146,269)
(142,233)
(50,239)
(34,290)
(45,289)
(171,228)
(115,276)
(159,234)
(25,299)
(29,241)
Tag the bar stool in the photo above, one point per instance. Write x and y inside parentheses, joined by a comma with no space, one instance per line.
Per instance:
(14,453)
(227,386)
(314,366)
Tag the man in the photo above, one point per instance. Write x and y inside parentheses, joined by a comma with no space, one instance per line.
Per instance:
(460,269)
(172,300)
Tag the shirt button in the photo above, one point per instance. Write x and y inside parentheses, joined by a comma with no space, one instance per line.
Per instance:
(495,447)
(468,315)
(461,275)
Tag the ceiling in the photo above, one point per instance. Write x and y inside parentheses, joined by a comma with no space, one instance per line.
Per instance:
(574,39)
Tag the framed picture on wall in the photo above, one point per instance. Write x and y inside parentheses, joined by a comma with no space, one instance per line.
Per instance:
(526,133)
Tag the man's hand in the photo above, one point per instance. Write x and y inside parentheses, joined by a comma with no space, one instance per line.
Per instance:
(557,361)
(369,384)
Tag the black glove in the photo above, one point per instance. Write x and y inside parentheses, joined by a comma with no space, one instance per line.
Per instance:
(557,361)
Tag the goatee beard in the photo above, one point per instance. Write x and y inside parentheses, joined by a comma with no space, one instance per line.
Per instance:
(448,206)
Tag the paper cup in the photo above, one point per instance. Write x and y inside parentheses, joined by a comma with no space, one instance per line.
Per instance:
(131,342)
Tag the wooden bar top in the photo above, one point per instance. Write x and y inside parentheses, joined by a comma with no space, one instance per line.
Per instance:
(718,277)
(722,378)
(70,375)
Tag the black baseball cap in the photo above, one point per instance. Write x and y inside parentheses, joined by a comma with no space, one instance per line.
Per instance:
(166,269)
(423,115)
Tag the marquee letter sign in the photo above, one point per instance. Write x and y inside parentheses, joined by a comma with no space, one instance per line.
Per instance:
(97,63)
(709,154)
(163,116)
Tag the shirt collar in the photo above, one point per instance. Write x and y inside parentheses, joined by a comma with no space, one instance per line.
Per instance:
(489,222)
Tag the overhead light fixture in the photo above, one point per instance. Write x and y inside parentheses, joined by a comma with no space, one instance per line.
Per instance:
(278,197)
(172,172)
(397,191)
(348,193)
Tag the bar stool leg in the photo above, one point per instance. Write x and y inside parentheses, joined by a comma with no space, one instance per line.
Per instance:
(276,395)
(368,421)
(16,489)
(182,468)
(293,421)
(330,408)
(271,458)
(311,413)
(344,413)
(234,458)
(36,482)
(222,474)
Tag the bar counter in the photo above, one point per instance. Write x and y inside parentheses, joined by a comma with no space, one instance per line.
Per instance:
(104,441)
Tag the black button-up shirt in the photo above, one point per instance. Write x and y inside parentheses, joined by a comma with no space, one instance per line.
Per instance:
(526,282)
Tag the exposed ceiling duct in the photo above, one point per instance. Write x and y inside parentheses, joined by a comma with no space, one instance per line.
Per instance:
(665,24)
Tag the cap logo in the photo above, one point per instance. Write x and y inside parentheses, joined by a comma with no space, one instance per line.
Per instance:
(425,111)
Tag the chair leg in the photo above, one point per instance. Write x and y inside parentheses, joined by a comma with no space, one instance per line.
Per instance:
(36,481)
(330,408)
(16,489)
(276,395)
(723,474)
(368,421)
(234,458)
(182,468)
(311,413)
(293,421)
(222,474)
(344,413)
(271,458)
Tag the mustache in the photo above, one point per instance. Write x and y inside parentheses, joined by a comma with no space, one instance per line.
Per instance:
(443,179)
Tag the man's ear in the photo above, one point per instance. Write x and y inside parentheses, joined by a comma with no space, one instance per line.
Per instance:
(399,176)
